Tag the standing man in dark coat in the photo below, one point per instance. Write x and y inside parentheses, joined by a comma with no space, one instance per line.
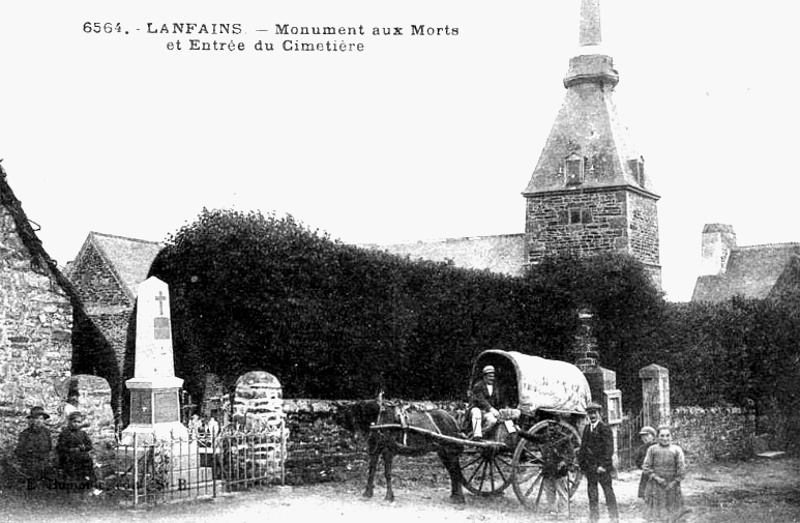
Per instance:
(596,461)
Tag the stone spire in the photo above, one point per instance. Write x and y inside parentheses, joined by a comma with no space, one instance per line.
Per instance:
(590,23)
(589,192)
(591,64)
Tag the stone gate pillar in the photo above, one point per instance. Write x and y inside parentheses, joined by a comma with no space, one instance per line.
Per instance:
(655,395)
(602,381)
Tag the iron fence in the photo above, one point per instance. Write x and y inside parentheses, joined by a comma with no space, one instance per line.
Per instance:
(148,471)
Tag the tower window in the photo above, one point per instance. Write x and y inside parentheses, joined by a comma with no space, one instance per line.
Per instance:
(574,166)
(579,215)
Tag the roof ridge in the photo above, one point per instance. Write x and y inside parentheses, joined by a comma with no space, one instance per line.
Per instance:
(448,239)
(95,233)
(762,245)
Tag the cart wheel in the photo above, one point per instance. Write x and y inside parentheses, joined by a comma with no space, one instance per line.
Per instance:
(486,471)
(529,458)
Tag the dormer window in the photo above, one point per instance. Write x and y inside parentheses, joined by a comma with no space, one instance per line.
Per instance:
(636,166)
(574,166)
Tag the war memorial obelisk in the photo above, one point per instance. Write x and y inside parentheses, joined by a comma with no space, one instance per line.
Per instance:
(154,388)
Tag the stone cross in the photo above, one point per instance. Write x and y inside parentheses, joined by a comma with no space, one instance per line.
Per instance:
(153,356)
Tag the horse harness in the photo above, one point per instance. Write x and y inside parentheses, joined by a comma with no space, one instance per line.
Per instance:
(401,412)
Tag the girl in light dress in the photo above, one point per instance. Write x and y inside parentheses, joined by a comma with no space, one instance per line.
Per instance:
(665,467)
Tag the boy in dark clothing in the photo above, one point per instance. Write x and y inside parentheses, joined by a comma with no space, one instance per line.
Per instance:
(74,458)
(33,449)
(648,435)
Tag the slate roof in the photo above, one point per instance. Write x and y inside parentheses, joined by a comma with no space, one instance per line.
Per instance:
(752,272)
(128,258)
(588,126)
(503,254)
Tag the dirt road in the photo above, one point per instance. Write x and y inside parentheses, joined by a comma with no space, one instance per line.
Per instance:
(754,491)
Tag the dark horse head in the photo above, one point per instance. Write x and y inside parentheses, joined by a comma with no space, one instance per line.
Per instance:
(357,417)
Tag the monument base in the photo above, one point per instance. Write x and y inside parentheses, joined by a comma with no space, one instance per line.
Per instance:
(148,434)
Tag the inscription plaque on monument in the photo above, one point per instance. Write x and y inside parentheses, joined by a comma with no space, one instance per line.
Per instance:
(161,329)
(141,407)
(166,406)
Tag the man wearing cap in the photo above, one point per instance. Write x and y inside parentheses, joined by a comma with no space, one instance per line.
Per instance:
(648,435)
(483,398)
(595,458)
(73,449)
(33,448)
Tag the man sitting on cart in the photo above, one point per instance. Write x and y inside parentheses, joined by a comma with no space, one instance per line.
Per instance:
(484,398)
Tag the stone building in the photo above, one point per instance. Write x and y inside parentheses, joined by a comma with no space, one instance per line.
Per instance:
(36,320)
(767,271)
(589,192)
(105,274)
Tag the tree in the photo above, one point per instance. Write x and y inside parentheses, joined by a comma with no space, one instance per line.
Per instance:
(616,288)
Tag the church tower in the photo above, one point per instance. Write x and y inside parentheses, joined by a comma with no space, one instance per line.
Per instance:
(590,192)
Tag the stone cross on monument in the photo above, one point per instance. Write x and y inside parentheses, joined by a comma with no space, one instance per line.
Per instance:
(154,388)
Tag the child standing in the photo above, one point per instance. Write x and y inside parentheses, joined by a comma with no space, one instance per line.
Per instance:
(665,466)
(73,450)
(33,449)
(648,435)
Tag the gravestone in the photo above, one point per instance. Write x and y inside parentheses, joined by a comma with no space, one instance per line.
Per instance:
(154,389)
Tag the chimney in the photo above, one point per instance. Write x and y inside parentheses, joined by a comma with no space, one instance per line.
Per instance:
(718,242)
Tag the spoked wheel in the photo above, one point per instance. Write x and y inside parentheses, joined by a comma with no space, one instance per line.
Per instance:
(486,471)
(547,440)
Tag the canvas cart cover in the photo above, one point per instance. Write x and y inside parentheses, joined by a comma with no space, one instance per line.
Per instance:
(547,384)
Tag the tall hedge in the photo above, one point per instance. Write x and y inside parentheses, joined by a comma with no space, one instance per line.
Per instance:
(330,320)
(335,321)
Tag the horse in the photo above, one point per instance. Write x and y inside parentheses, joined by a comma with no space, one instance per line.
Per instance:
(359,417)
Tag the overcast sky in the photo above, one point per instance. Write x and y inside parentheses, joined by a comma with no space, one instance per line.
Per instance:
(416,137)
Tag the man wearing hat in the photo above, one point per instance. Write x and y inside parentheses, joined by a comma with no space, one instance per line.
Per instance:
(483,398)
(595,458)
(648,435)
(33,449)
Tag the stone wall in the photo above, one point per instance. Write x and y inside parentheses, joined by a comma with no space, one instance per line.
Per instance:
(715,433)
(114,329)
(319,449)
(643,228)
(35,335)
(96,284)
